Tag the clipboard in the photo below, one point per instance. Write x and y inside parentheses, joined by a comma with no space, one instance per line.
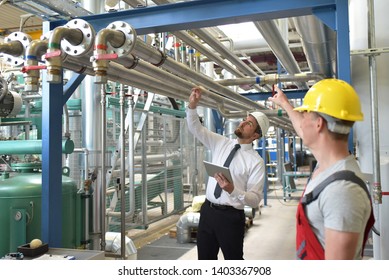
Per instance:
(212,168)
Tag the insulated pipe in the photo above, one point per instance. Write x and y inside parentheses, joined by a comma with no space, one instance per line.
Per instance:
(209,39)
(153,158)
(319,44)
(123,39)
(185,224)
(126,76)
(271,79)
(175,81)
(32,147)
(155,57)
(277,44)
(139,80)
(190,40)
(284,124)
(224,51)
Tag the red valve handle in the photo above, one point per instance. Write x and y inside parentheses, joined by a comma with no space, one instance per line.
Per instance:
(25,69)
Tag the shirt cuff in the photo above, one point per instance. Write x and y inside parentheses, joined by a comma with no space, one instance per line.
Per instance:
(191,111)
(237,194)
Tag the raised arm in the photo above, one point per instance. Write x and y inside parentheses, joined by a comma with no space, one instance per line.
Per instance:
(281,100)
(194,97)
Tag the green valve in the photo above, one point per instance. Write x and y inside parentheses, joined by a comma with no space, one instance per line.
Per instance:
(279,112)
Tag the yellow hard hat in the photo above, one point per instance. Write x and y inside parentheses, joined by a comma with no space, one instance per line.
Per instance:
(335,98)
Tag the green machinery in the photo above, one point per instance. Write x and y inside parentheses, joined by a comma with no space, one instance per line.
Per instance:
(21,200)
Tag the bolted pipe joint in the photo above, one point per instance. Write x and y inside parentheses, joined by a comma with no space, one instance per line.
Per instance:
(75,38)
(122,39)
(14,48)
(118,39)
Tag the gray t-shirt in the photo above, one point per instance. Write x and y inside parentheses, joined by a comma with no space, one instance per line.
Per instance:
(341,206)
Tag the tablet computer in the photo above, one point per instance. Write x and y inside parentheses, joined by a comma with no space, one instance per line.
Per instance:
(212,168)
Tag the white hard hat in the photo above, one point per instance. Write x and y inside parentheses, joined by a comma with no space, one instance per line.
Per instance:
(262,121)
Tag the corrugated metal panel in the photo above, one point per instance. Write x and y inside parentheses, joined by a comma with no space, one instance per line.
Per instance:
(11,20)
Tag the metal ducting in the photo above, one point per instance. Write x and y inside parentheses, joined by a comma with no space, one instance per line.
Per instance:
(319,43)
(185,224)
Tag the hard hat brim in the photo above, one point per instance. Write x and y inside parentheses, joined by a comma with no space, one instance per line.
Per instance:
(301,108)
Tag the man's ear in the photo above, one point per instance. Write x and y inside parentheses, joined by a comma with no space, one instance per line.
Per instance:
(320,123)
(257,135)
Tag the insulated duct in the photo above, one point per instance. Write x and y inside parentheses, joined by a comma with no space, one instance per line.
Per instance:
(185,225)
(319,44)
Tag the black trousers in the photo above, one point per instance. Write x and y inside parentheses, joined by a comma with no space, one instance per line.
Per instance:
(220,227)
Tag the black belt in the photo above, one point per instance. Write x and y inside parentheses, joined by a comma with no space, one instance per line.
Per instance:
(220,206)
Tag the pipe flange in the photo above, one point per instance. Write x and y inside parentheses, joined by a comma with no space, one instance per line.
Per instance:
(25,40)
(87,41)
(130,34)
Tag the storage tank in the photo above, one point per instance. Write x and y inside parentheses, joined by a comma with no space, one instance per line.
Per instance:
(20,208)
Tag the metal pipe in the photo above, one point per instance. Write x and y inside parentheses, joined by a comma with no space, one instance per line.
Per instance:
(277,44)
(131,147)
(54,54)
(66,121)
(156,57)
(76,38)
(377,191)
(272,79)
(34,52)
(15,123)
(14,48)
(224,52)
(215,44)
(319,44)
(27,115)
(123,170)
(167,87)
(143,50)
(14,147)
(103,167)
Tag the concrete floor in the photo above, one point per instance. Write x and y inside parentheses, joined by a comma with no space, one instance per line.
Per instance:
(271,236)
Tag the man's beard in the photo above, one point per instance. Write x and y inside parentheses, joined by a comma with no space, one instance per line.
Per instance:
(238,133)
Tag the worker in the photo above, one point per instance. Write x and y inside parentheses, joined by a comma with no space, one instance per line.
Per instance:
(222,217)
(333,223)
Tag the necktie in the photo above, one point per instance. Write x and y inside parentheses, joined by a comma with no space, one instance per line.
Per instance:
(218,189)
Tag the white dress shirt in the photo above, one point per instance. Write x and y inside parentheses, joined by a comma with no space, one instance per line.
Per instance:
(247,167)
